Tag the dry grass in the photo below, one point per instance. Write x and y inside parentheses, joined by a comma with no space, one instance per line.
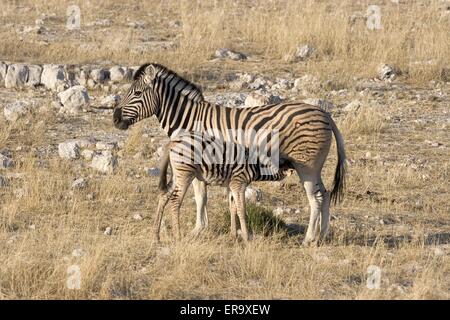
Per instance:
(395,214)
(413,37)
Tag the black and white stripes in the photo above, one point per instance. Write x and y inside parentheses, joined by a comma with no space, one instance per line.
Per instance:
(304,132)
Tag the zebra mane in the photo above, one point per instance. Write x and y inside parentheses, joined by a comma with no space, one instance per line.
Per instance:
(164,70)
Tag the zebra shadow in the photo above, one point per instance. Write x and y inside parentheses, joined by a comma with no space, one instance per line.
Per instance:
(395,241)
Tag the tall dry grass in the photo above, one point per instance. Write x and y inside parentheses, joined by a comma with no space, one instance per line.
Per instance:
(413,37)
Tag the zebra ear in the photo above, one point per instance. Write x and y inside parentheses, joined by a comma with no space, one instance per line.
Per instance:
(150,74)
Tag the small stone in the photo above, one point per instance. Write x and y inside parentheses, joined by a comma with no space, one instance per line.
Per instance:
(32,227)
(323,104)
(3,71)
(117,74)
(15,110)
(164,251)
(79,183)
(87,154)
(301,53)
(153,171)
(256,100)
(104,162)
(438,252)
(102,145)
(110,101)
(227,53)
(16,76)
(69,150)
(386,72)
(108,231)
(53,76)
(253,195)
(353,106)
(74,99)
(78,253)
(34,75)
(5,162)
(278,211)
(100,75)
(137,217)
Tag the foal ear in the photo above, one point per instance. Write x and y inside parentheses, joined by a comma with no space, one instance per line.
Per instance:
(150,74)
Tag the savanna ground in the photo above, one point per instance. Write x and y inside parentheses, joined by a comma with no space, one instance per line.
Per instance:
(395,214)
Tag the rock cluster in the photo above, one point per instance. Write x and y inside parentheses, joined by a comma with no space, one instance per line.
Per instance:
(60,77)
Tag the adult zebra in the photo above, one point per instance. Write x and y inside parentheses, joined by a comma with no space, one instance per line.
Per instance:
(305,132)
(186,92)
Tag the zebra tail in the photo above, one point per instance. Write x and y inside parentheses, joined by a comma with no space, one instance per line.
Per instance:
(339,174)
(163,167)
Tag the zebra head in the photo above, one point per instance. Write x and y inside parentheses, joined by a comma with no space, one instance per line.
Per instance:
(139,102)
(151,84)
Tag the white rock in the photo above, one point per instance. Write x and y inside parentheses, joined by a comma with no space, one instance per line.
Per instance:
(3,71)
(231,99)
(259,83)
(100,75)
(102,145)
(278,211)
(242,81)
(74,99)
(34,75)
(108,231)
(227,53)
(386,72)
(352,106)
(306,82)
(304,52)
(53,76)
(153,171)
(5,162)
(323,104)
(78,253)
(15,110)
(16,76)
(301,53)
(117,74)
(110,101)
(79,183)
(87,154)
(104,162)
(257,99)
(137,217)
(69,150)
(253,195)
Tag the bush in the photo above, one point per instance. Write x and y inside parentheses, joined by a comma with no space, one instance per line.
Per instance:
(259,220)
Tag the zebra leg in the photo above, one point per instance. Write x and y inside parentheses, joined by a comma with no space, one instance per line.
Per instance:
(200,194)
(238,192)
(175,202)
(162,202)
(315,192)
(325,215)
(233,213)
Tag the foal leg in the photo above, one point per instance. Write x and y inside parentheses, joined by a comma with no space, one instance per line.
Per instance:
(200,194)
(174,203)
(162,202)
(233,213)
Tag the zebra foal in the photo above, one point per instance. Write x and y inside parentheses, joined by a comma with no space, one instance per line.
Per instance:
(193,155)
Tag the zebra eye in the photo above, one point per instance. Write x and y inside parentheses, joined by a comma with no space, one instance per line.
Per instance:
(138,93)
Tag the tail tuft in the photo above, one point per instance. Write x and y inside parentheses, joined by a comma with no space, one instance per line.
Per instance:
(339,175)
